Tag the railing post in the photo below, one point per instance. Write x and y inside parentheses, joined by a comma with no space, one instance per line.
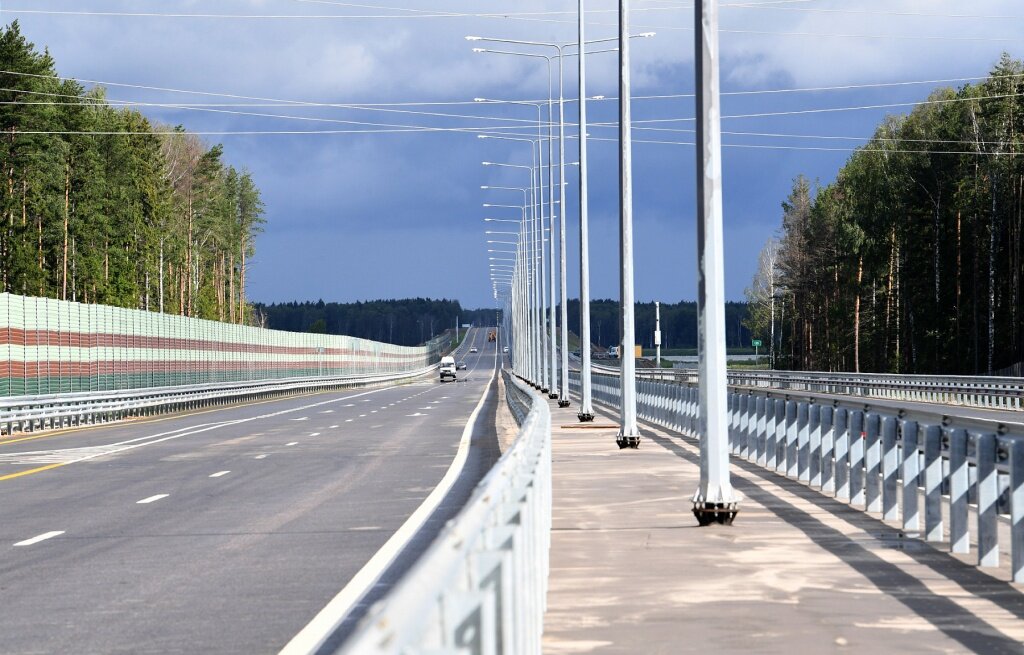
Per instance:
(1017,509)
(959,482)
(910,471)
(803,438)
(842,456)
(828,440)
(988,496)
(890,470)
(857,458)
(814,447)
(933,528)
(872,463)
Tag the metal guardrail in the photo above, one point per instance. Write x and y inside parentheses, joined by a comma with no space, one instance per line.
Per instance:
(970,391)
(63,410)
(55,411)
(876,461)
(481,586)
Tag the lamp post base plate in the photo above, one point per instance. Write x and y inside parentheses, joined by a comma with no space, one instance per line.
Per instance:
(627,442)
(543,389)
(715,513)
(552,396)
(585,417)
(563,403)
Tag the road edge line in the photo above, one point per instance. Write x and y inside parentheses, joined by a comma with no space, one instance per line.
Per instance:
(327,620)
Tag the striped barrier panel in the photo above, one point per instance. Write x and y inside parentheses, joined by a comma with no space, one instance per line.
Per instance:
(52,346)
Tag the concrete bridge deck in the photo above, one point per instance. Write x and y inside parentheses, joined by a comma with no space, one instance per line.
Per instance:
(799,572)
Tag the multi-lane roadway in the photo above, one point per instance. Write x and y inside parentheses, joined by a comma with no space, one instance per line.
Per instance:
(227,530)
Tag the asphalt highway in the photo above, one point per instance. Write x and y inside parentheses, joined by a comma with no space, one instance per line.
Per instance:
(226,530)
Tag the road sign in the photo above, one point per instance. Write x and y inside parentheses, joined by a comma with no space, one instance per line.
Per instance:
(756,343)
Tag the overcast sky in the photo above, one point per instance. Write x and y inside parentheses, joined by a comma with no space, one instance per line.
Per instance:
(383,214)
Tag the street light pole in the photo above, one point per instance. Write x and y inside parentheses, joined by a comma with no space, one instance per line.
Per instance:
(715,500)
(586,412)
(629,434)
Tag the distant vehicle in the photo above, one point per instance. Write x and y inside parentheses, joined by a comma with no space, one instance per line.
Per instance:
(492,335)
(575,353)
(447,368)
(473,350)
(461,366)
(613,352)
(505,349)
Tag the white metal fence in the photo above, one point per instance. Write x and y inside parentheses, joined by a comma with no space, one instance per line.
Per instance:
(481,587)
(970,391)
(881,462)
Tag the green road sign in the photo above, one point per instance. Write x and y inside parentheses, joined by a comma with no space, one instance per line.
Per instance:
(756,343)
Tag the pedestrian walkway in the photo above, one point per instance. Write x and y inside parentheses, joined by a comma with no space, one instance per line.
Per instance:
(798,572)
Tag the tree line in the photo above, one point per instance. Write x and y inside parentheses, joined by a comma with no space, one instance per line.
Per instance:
(405,322)
(678,323)
(911,260)
(100,205)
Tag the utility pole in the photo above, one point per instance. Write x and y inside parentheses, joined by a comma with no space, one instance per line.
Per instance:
(715,501)
(629,434)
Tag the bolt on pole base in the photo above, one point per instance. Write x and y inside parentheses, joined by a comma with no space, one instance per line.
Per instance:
(627,442)
(585,417)
(563,403)
(552,396)
(544,390)
(715,513)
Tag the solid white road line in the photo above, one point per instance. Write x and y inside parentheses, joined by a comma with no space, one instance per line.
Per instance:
(331,616)
(42,537)
(151,499)
(219,474)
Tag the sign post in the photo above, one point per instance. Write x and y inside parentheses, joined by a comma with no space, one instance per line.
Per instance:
(756,343)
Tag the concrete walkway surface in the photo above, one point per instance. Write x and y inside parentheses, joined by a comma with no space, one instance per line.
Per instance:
(799,572)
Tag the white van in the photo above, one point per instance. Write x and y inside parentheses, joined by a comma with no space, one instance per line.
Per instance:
(613,352)
(447,368)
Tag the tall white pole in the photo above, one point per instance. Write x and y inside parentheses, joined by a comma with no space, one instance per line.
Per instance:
(553,393)
(547,382)
(563,397)
(629,434)
(586,412)
(715,501)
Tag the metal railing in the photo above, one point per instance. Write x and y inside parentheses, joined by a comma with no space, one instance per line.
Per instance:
(55,411)
(971,391)
(882,462)
(481,586)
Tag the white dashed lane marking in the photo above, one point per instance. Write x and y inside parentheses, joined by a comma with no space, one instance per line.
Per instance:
(42,537)
(292,443)
(220,474)
(151,499)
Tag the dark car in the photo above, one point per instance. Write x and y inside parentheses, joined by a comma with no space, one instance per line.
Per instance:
(461,366)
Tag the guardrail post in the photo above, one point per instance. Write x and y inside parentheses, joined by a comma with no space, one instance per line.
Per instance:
(1017,509)
(911,470)
(772,432)
(761,408)
(872,463)
(890,470)
(842,453)
(828,441)
(959,484)
(803,438)
(814,447)
(790,435)
(857,458)
(933,528)
(742,400)
(988,496)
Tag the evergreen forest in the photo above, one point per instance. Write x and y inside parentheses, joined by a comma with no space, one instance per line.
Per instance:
(100,205)
(911,261)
